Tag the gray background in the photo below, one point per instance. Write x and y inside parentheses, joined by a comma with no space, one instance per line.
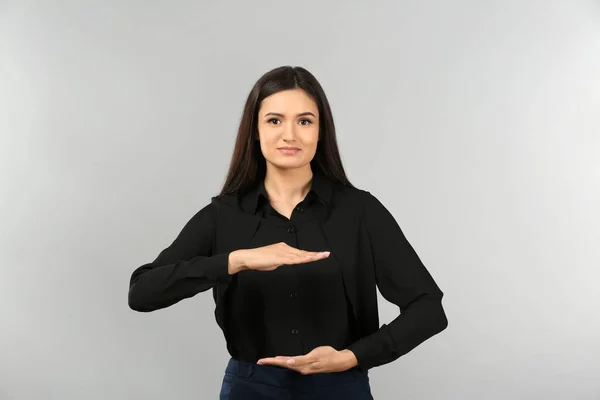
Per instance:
(476,123)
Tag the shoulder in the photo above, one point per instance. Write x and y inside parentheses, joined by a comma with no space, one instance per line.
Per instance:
(361,203)
(224,200)
(351,195)
(224,203)
(208,210)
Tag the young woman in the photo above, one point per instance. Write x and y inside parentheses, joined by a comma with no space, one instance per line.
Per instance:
(294,253)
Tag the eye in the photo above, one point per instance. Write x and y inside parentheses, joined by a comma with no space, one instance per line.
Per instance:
(273,119)
(308,122)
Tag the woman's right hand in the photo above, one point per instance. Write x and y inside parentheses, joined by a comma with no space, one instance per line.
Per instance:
(269,258)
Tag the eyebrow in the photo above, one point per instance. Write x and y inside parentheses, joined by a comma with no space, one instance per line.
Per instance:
(298,115)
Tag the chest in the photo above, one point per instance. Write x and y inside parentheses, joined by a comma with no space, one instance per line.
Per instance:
(301,233)
(339,230)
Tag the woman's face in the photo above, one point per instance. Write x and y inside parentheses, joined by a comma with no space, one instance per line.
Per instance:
(288,129)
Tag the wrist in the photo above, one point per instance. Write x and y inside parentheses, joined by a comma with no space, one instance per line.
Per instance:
(349,359)
(236,263)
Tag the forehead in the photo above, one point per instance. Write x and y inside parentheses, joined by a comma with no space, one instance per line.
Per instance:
(292,101)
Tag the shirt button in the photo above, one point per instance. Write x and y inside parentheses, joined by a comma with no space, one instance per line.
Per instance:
(295,331)
(300,209)
(293,295)
(291,230)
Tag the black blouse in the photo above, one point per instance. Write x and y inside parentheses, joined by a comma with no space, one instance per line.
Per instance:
(295,308)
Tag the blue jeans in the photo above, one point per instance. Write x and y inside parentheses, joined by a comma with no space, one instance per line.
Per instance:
(249,381)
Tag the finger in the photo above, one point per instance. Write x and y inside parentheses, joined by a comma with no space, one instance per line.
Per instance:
(323,253)
(296,259)
(279,361)
(302,260)
(300,361)
(271,361)
(302,253)
(317,256)
(314,255)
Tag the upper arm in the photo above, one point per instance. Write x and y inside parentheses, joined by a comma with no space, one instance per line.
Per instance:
(400,273)
(194,239)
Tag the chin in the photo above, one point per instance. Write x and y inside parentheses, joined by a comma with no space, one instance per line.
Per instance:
(291,164)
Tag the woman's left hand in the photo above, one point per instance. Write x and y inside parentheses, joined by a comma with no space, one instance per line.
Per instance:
(320,360)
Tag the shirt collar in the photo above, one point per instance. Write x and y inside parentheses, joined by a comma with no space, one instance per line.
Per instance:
(321,186)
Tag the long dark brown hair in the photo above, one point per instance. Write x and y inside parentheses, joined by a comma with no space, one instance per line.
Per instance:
(248,165)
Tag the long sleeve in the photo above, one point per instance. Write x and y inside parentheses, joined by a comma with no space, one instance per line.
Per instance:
(183,269)
(402,280)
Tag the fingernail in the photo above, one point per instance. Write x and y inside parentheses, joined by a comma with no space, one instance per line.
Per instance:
(259,362)
(325,253)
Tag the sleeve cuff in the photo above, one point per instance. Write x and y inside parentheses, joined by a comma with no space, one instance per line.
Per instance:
(217,269)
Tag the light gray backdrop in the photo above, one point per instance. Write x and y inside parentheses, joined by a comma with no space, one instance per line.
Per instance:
(476,123)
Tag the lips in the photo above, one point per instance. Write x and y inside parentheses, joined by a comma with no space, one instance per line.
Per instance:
(289,150)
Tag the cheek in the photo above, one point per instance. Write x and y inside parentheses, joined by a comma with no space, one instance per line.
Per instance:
(267,140)
(312,137)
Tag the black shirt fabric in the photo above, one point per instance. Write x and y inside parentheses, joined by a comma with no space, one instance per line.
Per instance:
(295,308)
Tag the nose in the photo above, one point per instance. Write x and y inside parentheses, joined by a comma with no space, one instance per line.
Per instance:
(289,132)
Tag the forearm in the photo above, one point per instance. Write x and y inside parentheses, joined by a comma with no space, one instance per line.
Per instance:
(154,286)
(420,321)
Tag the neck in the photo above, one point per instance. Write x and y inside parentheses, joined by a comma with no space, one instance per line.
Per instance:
(288,185)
